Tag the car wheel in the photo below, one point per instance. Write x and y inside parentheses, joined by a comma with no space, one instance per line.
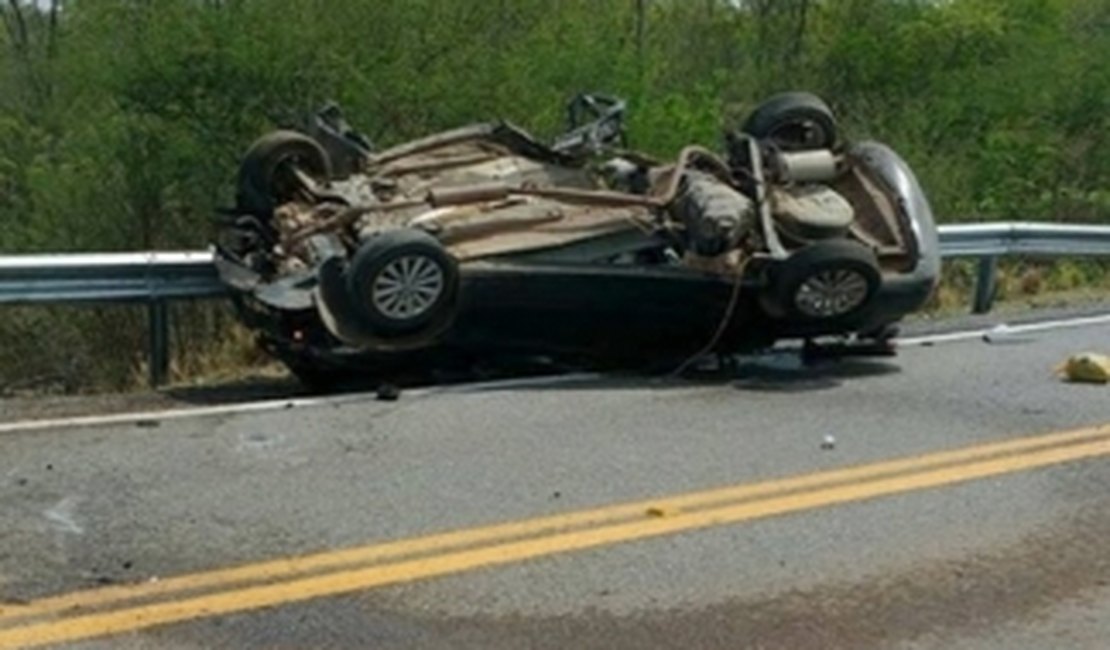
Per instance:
(825,281)
(265,178)
(403,282)
(794,121)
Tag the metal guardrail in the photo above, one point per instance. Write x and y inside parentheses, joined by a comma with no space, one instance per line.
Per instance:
(156,278)
(1023,238)
(108,277)
(153,279)
(989,241)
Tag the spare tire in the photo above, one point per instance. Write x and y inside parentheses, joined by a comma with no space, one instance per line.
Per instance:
(264,178)
(794,121)
(825,281)
(403,283)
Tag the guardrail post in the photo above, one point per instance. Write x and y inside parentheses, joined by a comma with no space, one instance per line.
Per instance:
(985,284)
(159,356)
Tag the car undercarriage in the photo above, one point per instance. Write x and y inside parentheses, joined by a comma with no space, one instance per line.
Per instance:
(483,241)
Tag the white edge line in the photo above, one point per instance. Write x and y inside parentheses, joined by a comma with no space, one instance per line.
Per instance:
(278,405)
(174,414)
(968,335)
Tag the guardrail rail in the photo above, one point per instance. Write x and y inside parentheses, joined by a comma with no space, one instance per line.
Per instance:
(989,241)
(153,279)
(156,278)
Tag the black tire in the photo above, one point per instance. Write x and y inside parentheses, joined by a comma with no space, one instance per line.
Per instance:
(381,265)
(794,121)
(264,181)
(794,290)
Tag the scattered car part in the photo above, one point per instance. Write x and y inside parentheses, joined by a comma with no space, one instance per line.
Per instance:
(1088,368)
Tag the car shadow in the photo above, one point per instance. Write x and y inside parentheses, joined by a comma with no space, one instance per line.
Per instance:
(248,389)
(778,371)
(800,377)
(774,372)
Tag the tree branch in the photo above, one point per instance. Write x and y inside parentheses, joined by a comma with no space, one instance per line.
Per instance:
(52,29)
(18,26)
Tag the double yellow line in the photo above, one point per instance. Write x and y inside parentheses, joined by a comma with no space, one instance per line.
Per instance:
(116,609)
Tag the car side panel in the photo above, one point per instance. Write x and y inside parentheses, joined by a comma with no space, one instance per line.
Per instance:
(597,311)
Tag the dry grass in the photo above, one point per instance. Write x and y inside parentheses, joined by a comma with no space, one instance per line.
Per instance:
(1024,282)
(81,350)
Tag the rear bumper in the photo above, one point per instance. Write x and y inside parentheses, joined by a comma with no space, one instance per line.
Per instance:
(911,199)
(906,292)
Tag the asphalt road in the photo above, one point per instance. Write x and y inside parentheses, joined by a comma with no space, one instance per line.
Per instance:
(962,503)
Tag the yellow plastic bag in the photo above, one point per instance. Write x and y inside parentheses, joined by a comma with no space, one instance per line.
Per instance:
(1088,368)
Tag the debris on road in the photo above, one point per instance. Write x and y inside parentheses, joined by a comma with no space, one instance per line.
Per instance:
(1000,333)
(660,511)
(828,443)
(388,393)
(1088,368)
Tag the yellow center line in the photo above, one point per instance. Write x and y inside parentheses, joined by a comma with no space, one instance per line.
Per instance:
(288,568)
(348,581)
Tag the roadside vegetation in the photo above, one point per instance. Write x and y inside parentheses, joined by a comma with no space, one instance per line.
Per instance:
(121,121)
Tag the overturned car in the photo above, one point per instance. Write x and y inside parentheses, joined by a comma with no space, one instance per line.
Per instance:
(484,243)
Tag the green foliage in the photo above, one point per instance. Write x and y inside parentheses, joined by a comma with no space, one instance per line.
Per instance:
(121,121)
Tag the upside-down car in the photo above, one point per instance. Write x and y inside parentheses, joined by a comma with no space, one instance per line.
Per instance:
(484,243)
